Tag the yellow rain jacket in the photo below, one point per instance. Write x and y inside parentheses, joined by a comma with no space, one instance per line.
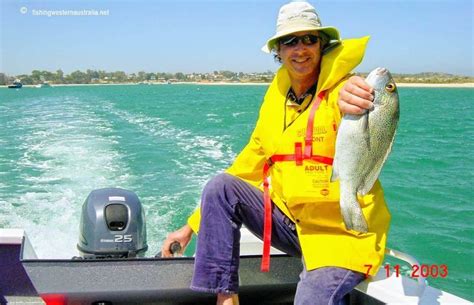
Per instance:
(322,234)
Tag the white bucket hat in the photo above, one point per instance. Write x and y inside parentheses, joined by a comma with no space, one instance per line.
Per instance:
(296,17)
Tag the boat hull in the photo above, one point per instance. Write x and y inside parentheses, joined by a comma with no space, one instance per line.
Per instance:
(156,280)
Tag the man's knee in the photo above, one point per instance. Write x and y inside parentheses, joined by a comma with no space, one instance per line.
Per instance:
(219,184)
(217,189)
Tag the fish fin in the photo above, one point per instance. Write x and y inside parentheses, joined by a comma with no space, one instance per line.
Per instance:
(352,213)
(334,173)
(366,129)
(374,173)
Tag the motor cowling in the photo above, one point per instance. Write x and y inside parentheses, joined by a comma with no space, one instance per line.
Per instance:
(112,225)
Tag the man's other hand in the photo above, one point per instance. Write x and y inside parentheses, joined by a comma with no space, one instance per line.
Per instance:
(182,236)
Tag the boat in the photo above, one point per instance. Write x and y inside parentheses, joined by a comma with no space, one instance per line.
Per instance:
(123,275)
(15,85)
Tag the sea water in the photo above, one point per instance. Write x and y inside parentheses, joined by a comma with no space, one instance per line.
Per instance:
(165,141)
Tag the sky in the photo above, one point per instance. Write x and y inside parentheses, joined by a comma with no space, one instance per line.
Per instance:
(407,36)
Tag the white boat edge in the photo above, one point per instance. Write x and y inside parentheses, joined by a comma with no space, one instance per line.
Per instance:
(391,290)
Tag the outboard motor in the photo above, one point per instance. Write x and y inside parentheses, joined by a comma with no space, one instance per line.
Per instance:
(112,225)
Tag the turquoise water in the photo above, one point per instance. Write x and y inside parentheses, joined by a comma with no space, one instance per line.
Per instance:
(164,142)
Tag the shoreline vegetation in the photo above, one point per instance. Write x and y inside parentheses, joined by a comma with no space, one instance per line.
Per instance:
(401,85)
(99,77)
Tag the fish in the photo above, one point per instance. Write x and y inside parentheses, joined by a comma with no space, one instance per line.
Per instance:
(363,143)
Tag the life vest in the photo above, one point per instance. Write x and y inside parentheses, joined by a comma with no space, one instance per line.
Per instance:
(313,181)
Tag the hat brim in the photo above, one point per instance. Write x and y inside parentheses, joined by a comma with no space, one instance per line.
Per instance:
(330,31)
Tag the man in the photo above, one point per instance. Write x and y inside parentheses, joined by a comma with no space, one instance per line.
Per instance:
(293,146)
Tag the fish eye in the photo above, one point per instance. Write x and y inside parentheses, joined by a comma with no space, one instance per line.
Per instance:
(390,87)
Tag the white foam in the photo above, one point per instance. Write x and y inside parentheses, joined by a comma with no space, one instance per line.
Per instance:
(65,156)
(236,114)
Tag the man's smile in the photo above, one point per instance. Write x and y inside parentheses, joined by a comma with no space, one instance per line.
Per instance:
(300,60)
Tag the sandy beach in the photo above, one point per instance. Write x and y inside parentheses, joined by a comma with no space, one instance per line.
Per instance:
(453,85)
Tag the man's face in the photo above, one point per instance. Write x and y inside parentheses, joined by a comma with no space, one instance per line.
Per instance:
(301,60)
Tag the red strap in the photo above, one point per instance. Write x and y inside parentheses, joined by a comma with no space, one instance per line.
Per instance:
(316,158)
(298,157)
(298,153)
(280,158)
(322,159)
(267,221)
(308,145)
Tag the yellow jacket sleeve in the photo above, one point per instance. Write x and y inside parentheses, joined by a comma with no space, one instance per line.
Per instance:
(248,166)
(249,163)
(193,220)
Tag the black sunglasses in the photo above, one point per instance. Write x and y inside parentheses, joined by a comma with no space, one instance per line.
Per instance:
(293,40)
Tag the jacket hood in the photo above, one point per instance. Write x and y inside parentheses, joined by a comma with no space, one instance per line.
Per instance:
(335,65)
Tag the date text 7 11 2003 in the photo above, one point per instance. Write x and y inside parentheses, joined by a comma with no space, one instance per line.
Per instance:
(433,271)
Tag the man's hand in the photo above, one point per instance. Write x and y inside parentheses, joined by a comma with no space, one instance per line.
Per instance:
(356,96)
(183,236)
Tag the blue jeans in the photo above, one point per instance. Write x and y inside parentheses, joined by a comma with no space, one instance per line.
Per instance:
(227,203)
